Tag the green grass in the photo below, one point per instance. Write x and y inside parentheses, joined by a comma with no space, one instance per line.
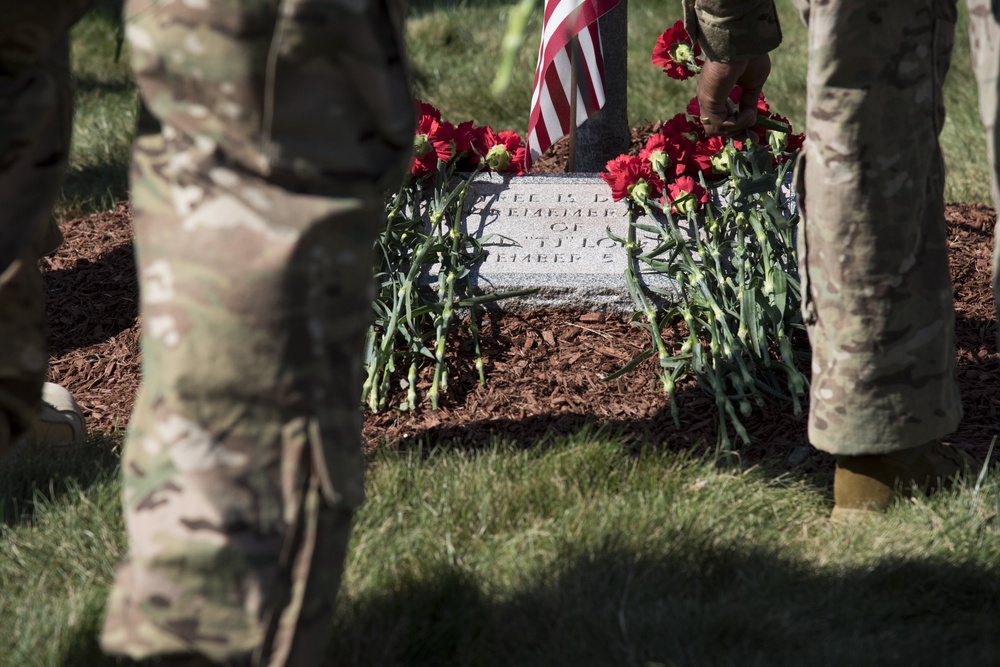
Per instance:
(106,104)
(580,551)
(60,539)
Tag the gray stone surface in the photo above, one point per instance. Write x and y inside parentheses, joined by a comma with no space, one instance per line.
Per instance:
(551,232)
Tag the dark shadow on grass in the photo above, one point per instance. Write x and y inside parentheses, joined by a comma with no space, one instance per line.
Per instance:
(698,604)
(31,473)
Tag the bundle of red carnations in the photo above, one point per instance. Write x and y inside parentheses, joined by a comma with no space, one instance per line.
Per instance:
(424,259)
(440,146)
(714,216)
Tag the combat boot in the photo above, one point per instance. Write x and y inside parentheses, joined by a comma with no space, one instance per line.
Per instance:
(60,421)
(865,485)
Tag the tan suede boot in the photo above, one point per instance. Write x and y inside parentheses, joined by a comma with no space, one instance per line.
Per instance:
(863,486)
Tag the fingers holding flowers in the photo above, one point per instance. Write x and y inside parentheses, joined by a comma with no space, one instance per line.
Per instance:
(720,115)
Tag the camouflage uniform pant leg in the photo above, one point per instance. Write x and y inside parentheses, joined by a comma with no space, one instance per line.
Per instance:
(35,124)
(984,38)
(243,464)
(877,292)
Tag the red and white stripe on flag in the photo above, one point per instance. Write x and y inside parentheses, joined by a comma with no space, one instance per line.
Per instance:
(550,101)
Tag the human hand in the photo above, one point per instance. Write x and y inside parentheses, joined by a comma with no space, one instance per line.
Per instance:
(717,80)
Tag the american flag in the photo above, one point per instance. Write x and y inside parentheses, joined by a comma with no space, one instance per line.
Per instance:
(550,101)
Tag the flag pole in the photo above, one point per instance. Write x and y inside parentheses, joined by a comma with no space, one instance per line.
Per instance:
(574,46)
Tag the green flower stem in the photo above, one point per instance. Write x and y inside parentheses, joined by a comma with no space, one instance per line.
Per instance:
(640,299)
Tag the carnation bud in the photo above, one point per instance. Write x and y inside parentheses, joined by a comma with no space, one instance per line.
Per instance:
(680,52)
(659,161)
(640,191)
(421,145)
(498,158)
(720,164)
(685,203)
(722,159)
(777,140)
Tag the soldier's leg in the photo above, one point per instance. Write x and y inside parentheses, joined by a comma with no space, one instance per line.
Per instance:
(878,298)
(984,37)
(243,464)
(877,293)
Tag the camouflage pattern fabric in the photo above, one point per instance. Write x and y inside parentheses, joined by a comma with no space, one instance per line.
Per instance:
(35,122)
(873,250)
(270,132)
(733,30)
(984,37)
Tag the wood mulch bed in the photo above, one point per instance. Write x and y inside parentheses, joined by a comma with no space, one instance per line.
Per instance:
(545,369)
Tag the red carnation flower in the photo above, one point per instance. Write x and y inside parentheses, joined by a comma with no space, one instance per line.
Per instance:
(432,142)
(706,150)
(656,151)
(686,195)
(682,126)
(424,109)
(462,141)
(626,173)
(782,144)
(676,53)
(795,143)
(710,157)
(502,151)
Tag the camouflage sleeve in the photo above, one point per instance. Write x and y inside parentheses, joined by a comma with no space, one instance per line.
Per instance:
(733,29)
